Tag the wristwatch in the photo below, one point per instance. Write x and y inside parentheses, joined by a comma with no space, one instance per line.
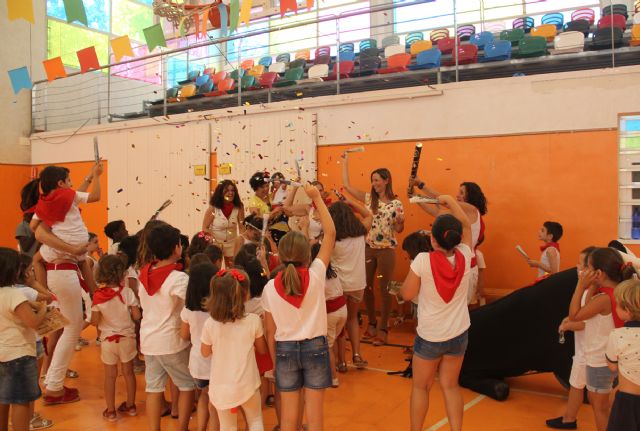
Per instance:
(420,185)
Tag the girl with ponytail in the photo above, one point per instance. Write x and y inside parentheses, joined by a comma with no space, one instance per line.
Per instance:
(296,322)
(440,279)
(605,270)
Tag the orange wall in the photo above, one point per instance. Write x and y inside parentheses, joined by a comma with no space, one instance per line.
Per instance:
(567,177)
(12,178)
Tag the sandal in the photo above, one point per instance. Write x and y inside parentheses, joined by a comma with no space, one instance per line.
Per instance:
(370,332)
(39,423)
(342,367)
(358,362)
(380,340)
(72,374)
(111,416)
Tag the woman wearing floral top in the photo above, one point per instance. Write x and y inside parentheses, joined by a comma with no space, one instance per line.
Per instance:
(388,219)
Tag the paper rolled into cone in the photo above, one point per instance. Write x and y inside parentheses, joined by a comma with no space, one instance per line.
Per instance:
(522,252)
(287,182)
(354,150)
(96,150)
(423,200)
(415,161)
(162,207)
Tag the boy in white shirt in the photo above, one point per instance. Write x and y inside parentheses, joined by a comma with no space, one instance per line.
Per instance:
(162,299)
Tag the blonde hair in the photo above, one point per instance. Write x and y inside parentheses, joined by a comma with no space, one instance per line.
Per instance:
(627,296)
(294,251)
(226,300)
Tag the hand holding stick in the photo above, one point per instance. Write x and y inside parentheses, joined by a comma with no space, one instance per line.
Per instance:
(414,167)
(162,207)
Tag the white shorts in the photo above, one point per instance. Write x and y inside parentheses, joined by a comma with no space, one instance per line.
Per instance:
(50,254)
(112,352)
(578,377)
(335,324)
(86,300)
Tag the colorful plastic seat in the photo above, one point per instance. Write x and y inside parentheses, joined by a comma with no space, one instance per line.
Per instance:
(278,67)
(267,79)
(256,70)
(548,31)
(447,45)
(247,82)
(581,25)
(466,31)
(346,47)
(191,77)
(526,23)
(369,52)
(419,46)
(266,61)
(322,51)
(304,54)
(555,18)
(283,58)
(218,77)
(532,46)
(604,39)
(616,9)
(290,77)
(187,91)
(223,87)
(429,59)
(368,65)
(347,56)
(202,79)
(467,54)
(497,50)
(317,73)
(209,71)
(392,50)
(635,35)
(322,59)
(481,39)
(568,42)
(367,44)
(617,21)
(247,64)
(206,87)
(584,13)
(514,36)
(412,38)
(440,33)
(346,69)
(236,74)
(396,63)
(390,40)
(298,63)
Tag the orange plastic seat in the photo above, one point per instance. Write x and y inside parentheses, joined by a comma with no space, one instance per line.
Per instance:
(256,70)
(305,53)
(548,31)
(247,64)
(187,91)
(223,87)
(218,77)
(635,35)
(396,63)
(419,46)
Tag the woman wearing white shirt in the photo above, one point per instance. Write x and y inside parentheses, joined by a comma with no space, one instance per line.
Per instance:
(440,279)
(224,217)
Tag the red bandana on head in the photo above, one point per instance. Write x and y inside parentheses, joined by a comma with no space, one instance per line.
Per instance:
(295,300)
(617,321)
(153,278)
(446,277)
(53,207)
(105,294)
(550,244)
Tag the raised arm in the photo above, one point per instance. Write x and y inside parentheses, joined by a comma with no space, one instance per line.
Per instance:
(329,229)
(451,204)
(365,213)
(94,195)
(593,306)
(358,194)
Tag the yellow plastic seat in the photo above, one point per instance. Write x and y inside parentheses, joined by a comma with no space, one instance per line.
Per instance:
(187,91)
(419,46)
(305,53)
(256,70)
(548,31)
(635,35)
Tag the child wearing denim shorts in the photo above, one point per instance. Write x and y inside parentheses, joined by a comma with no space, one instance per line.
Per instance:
(623,357)
(193,316)
(18,365)
(162,299)
(296,321)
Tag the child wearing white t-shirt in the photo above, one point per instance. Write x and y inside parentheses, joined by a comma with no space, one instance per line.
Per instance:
(296,321)
(231,335)
(441,279)
(114,310)
(623,357)
(193,316)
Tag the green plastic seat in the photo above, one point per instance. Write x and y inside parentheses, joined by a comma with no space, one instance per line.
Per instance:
(299,63)
(532,46)
(514,36)
(235,73)
(290,77)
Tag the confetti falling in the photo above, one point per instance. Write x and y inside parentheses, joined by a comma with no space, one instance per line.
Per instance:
(119,190)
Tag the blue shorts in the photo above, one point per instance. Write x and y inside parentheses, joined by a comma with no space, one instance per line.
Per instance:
(431,350)
(599,379)
(201,384)
(303,364)
(39,349)
(19,381)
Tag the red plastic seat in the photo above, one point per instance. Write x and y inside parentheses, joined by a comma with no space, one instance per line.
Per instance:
(216,78)
(617,21)
(346,68)
(467,54)
(222,88)
(447,45)
(322,50)
(396,63)
(267,79)
(586,14)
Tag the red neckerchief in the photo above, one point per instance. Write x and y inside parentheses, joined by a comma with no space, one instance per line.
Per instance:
(30,210)
(295,300)
(153,278)
(105,294)
(53,207)
(617,321)
(447,278)
(227,209)
(550,244)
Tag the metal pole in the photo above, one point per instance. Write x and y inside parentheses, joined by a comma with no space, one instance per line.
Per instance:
(338,55)
(613,47)
(45,107)
(455,35)
(238,69)
(163,74)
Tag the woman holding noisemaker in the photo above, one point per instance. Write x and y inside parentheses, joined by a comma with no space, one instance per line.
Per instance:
(388,219)
(224,217)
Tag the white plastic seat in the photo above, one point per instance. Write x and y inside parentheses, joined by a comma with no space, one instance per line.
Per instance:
(278,67)
(568,42)
(316,73)
(393,49)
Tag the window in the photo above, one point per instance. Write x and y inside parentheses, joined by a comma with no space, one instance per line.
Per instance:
(130,18)
(252,46)
(65,40)
(146,70)
(629,177)
(352,28)
(293,39)
(97,12)
(427,16)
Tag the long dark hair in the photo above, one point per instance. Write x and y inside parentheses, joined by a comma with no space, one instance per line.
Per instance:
(200,276)
(347,224)
(475,196)
(217,198)
(610,262)
(9,266)
(385,174)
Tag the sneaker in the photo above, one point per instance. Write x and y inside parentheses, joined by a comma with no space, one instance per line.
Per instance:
(558,423)
(68,396)
(110,416)
(335,382)
(98,342)
(129,410)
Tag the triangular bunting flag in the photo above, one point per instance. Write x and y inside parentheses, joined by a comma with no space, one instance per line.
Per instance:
(75,11)
(309,4)
(234,15)
(203,25)
(224,19)
(54,68)
(88,59)
(20,9)
(245,11)
(20,79)
(286,5)
(121,46)
(154,37)
(196,24)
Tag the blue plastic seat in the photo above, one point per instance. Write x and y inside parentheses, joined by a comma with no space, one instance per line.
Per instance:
(481,39)
(346,47)
(498,50)
(346,56)
(428,59)
(203,79)
(266,61)
(413,38)
(555,18)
